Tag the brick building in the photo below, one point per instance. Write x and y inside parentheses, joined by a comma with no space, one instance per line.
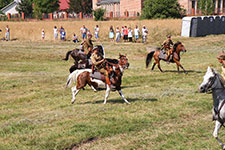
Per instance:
(132,8)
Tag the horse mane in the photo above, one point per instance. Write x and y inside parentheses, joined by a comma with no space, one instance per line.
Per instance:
(113,61)
(221,79)
(176,44)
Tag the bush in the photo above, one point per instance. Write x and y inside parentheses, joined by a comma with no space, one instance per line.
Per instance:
(99,14)
(154,9)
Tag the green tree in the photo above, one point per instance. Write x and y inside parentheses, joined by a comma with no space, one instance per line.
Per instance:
(162,9)
(206,6)
(99,14)
(77,6)
(45,6)
(25,6)
(3,3)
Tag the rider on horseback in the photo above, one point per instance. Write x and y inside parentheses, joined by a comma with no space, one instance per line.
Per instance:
(221,59)
(87,44)
(98,62)
(166,47)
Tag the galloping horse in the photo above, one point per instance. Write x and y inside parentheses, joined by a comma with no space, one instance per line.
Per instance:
(177,48)
(213,81)
(83,77)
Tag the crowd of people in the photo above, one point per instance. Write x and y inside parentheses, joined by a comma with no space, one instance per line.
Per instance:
(125,34)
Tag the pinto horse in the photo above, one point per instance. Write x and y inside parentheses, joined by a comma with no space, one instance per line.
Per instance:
(177,48)
(83,77)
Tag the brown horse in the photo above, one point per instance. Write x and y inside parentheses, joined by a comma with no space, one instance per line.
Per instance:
(81,60)
(83,77)
(177,48)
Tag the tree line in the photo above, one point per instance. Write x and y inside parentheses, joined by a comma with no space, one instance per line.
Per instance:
(152,8)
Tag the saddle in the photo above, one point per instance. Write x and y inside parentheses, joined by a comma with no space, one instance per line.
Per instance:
(162,55)
(100,76)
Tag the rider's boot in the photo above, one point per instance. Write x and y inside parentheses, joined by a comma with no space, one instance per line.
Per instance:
(168,59)
(107,81)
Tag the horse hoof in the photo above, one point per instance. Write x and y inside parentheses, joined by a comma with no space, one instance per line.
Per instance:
(72,102)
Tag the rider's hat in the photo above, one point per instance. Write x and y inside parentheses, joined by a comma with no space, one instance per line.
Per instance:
(221,55)
(169,36)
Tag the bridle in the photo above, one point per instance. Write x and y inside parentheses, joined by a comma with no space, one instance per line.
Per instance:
(210,83)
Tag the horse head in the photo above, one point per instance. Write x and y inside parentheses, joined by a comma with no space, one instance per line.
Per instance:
(179,47)
(123,61)
(210,81)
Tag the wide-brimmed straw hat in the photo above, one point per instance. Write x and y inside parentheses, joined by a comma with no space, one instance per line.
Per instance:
(221,55)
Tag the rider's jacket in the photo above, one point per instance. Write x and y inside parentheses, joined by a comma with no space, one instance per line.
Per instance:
(166,44)
(96,58)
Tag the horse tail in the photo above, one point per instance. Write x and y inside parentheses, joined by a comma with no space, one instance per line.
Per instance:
(71,78)
(149,58)
(67,55)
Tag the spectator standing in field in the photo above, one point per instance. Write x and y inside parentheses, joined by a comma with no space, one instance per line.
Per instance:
(96,33)
(117,34)
(125,34)
(83,31)
(130,34)
(122,35)
(144,34)
(63,35)
(55,31)
(43,34)
(136,33)
(75,38)
(111,33)
(7,33)
(60,31)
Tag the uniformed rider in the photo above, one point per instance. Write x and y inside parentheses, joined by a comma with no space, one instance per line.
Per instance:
(87,44)
(98,62)
(221,59)
(166,46)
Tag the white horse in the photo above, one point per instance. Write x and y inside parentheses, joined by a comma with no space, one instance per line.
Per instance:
(213,81)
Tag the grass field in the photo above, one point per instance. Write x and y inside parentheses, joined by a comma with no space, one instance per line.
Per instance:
(166,111)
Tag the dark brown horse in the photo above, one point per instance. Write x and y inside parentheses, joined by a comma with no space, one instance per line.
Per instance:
(177,48)
(81,60)
(83,77)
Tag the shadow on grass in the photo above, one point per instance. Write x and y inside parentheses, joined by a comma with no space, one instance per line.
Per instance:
(121,101)
(181,71)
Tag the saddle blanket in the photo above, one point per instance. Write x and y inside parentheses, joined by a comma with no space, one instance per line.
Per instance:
(162,55)
(99,76)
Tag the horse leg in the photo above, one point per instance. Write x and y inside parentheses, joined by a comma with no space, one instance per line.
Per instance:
(216,131)
(74,93)
(179,65)
(107,93)
(153,66)
(178,69)
(159,66)
(121,94)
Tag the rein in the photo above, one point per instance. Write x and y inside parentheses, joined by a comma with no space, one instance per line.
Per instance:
(219,119)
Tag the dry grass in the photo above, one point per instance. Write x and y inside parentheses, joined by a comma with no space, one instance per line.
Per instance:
(32,30)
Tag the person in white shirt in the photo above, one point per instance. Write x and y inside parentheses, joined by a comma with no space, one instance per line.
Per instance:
(136,33)
(96,32)
(7,33)
(130,34)
(55,31)
(43,34)
(144,34)
(83,31)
